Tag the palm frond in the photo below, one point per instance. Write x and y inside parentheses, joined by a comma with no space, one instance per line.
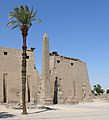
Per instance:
(22,15)
(21,8)
(26,9)
(15,26)
(12,22)
(39,20)
(30,25)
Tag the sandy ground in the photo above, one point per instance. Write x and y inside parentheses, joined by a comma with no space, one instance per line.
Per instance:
(97,110)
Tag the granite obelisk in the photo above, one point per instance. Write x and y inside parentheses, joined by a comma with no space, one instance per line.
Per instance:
(45,85)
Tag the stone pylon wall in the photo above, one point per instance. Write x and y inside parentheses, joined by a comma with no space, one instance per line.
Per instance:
(10,72)
(72,76)
(64,80)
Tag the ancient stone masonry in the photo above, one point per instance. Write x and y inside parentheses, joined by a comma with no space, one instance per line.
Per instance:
(45,84)
(67,80)
(64,80)
(10,75)
(71,77)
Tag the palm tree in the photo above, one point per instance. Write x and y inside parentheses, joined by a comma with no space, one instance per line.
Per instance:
(23,17)
(97,89)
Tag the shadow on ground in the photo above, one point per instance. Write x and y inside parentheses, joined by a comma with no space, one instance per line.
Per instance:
(6,115)
(43,109)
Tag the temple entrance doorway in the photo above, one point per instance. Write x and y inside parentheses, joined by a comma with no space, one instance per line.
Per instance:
(55,99)
(4,87)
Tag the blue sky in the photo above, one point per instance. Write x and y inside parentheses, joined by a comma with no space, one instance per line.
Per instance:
(76,28)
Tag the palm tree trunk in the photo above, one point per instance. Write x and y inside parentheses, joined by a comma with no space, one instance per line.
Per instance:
(24,29)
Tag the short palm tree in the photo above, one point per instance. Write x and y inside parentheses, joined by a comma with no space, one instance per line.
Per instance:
(23,17)
(98,89)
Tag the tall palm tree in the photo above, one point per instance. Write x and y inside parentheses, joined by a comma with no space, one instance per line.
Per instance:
(23,17)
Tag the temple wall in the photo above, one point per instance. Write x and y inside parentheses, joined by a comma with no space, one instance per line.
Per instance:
(72,76)
(10,72)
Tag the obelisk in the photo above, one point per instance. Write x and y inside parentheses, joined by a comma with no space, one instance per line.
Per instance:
(45,85)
